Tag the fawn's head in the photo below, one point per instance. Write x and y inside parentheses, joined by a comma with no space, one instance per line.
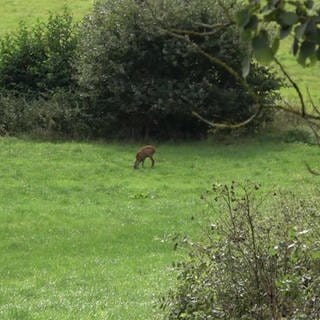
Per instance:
(136,164)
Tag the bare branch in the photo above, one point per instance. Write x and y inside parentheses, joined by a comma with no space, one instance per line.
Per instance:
(290,109)
(311,118)
(218,27)
(227,125)
(231,71)
(303,107)
(213,26)
(315,108)
(312,171)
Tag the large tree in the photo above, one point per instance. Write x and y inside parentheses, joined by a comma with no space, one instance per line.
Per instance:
(142,76)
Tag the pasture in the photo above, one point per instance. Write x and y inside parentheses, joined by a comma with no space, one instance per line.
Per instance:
(82,232)
(305,77)
(29,11)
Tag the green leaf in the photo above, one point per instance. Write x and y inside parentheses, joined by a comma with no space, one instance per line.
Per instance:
(275,45)
(312,32)
(264,56)
(246,35)
(245,64)
(271,16)
(313,59)
(243,17)
(261,48)
(300,30)
(261,40)
(286,18)
(307,49)
(309,4)
(253,23)
(301,10)
(284,32)
(318,36)
(275,4)
(295,46)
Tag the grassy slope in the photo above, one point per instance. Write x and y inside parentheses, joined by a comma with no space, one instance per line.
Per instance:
(13,11)
(79,228)
(304,77)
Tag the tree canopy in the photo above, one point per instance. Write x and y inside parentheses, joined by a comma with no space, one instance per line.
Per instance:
(144,80)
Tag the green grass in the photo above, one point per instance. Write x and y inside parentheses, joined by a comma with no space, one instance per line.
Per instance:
(13,11)
(80,230)
(305,77)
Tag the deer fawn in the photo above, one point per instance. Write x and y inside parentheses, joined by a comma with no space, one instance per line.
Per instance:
(142,154)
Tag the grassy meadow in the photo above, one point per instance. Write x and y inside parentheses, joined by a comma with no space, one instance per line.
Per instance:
(13,11)
(307,78)
(82,232)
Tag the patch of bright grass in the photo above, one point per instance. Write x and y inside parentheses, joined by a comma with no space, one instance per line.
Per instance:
(14,11)
(81,230)
(307,78)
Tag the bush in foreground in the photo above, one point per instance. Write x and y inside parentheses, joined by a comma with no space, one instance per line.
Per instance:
(260,261)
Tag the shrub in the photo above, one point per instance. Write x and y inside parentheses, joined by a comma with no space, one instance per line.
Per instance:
(261,260)
(299,135)
(141,81)
(40,59)
(62,114)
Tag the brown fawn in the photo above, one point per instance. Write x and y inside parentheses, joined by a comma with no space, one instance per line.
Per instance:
(142,154)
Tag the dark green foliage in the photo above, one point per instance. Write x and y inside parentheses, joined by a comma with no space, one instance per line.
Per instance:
(299,135)
(61,115)
(300,18)
(261,260)
(141,81)
(40,59)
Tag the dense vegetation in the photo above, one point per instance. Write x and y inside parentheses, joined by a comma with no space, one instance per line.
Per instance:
(39,60)
(129,77)
(37,85)
(143,81)
(260,259)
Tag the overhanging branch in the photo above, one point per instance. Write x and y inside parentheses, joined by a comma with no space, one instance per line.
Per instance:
(232,72)
(303,106)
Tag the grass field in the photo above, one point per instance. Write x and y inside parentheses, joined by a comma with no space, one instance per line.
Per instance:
(13,11)
(306,77)
(80,230)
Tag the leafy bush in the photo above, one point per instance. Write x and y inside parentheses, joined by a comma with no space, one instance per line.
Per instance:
(62,114)
(142,81)
(299,135)
(39,59)
(261,260)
